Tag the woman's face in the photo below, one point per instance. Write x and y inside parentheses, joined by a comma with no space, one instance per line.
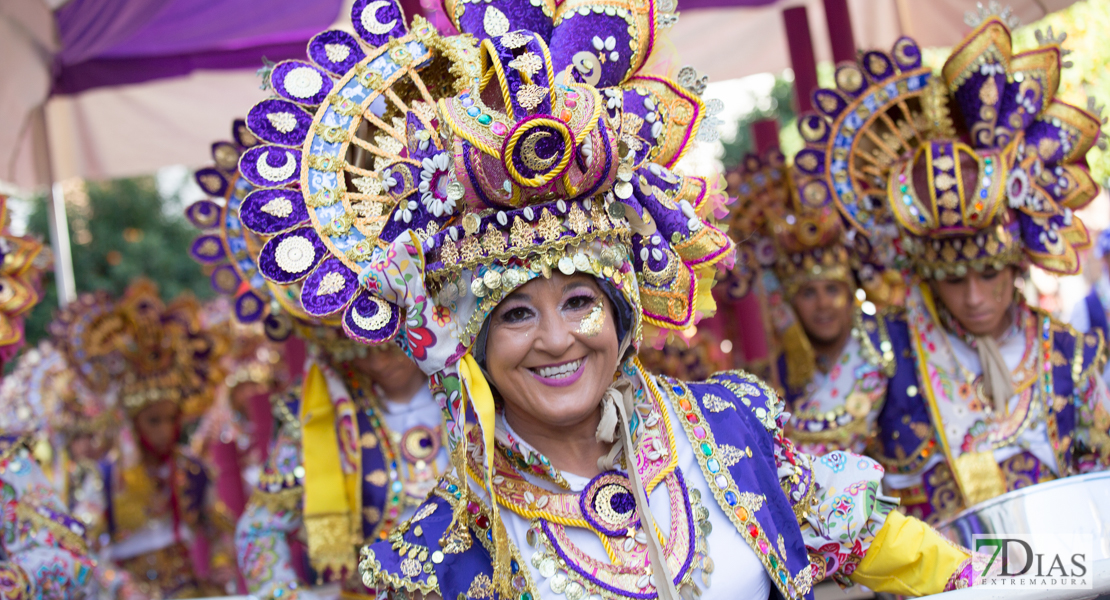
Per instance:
(157,426)
(552,350)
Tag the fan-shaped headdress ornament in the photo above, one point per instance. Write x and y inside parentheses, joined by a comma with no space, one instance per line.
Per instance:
(996,186)
(438,176)
(19,280)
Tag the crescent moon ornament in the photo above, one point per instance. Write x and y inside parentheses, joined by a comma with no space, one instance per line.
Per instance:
(588,66)
(529,156)
(375,322)
(285,171)
(369,18)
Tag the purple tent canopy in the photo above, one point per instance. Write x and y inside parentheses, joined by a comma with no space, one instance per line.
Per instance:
(115,42)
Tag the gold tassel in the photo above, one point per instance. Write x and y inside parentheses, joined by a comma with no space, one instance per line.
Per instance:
(801,360)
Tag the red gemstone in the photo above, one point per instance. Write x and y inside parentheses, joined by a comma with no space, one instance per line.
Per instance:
(692,418)
(482,521)
(753,530)
(472,507)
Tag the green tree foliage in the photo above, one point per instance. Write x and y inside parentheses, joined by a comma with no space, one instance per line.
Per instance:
(123,231)
(780,108)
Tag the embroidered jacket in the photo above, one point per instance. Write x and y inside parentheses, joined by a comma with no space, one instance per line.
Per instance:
(43,553)
(804,518)
(837,411)
(937,440)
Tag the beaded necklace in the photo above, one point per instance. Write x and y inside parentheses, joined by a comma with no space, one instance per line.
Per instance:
(606,507)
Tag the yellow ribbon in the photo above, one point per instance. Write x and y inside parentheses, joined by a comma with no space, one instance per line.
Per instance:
(328,515)
(481,398)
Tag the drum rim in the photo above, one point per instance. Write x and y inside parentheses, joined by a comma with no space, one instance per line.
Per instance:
(1018,493)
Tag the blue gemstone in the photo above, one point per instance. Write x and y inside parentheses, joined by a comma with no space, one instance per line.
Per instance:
(713,465)
(515,567)
(398,486)
(678,389)
(489,534)
(452,488)
(982,193)
(989,170)
(473,111)
(730,497)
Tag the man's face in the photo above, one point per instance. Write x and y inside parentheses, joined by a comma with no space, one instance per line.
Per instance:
(824,307)
(980,302)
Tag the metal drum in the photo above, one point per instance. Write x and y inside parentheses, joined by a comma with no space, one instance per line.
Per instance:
(1078,504)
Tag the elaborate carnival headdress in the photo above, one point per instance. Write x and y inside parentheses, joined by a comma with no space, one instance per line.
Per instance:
(996,186)
(434,178)
(19,280)
(137,350)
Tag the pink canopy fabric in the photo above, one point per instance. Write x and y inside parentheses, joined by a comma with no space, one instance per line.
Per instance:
(132,85)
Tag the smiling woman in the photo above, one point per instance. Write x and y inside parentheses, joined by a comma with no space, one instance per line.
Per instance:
(561,244)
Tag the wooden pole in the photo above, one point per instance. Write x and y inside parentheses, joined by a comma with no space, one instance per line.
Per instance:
(841,39)
(800,44)
(56,210)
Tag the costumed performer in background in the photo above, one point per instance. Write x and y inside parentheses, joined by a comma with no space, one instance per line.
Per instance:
(981,168)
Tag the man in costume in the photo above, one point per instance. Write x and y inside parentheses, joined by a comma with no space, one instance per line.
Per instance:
(361,440)
(980,168)
(521,201)
(1092,313)
(158,503)
(834,358)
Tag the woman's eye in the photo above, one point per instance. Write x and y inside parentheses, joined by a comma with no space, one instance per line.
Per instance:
(580,302)
(516,315)
(989,274)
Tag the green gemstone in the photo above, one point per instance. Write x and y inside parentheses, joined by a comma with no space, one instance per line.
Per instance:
(485,119)
(706,449)
(905,189)
(526,596)
(774,561)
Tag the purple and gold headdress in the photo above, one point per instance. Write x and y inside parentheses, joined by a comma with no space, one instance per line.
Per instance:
(438,177)
(19,281)
(996,186)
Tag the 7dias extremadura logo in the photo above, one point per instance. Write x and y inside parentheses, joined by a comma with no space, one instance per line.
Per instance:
(1035,561)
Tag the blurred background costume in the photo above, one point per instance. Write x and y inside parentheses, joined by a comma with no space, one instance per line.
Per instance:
(432,231)
(980,169)
(43,550)
(20,269)
(1092,313)
(793,249)
(347,462)
(158,500)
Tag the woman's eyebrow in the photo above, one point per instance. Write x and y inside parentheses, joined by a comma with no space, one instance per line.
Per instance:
(574,284)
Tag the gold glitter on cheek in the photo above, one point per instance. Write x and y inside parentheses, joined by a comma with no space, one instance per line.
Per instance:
(592,324)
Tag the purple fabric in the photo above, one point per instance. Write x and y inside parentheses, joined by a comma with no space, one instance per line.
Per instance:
(225,279)
(268,261)
(254,219)
(114,42)
(364,307)
(259,122)
(107,72)
(207,249)
(212,181)
(203,214)
(385,14)
(281,72)
(276,158)
(317,51)
(317,304)
(249,307)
